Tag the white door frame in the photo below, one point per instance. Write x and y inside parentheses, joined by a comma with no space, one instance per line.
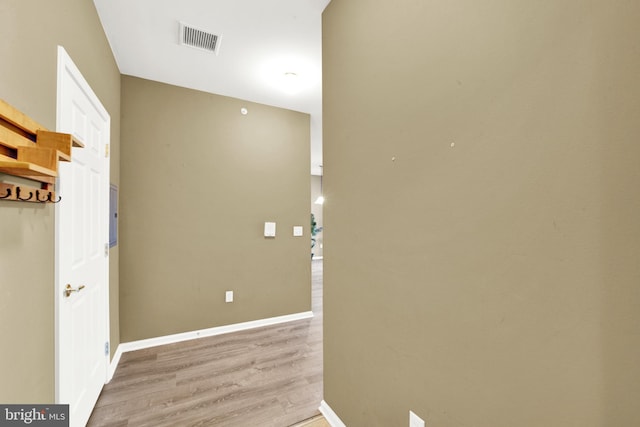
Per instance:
(66,65)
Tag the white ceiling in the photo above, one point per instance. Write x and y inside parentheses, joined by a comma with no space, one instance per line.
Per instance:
(261,40)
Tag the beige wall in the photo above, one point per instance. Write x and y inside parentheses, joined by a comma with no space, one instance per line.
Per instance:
(494,283)
(200,179)
(31,31)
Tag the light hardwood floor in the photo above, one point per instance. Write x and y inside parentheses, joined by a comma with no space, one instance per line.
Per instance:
(269,377)
(318,421)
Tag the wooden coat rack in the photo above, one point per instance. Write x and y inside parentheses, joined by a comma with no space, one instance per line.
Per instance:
(29,150)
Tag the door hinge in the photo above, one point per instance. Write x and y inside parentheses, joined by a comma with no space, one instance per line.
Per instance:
(106,150)
(106,348)
(106,249)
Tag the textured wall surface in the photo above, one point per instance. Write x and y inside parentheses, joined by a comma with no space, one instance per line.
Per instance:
(200,181)
(483,239)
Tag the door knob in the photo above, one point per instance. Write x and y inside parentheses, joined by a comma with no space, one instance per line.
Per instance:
(69,289)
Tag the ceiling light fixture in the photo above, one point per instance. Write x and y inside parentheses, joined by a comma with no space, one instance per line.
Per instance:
(290,74)
(291,83)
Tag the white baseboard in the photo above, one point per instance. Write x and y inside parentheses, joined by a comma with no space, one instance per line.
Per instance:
(330,416)
(185,336)
(114,363)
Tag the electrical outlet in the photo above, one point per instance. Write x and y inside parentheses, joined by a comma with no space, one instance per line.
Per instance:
(228,296)
(414,420)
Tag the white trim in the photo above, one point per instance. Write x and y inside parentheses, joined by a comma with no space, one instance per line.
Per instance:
(114,364)
(330,416)
(317,257)
(219,330)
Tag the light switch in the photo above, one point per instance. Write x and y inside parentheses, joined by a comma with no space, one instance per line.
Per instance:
(228,296)
(269,229)
(297,230)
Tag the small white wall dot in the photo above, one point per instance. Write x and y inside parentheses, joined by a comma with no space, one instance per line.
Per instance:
(244,111)
(453,144)
(393,159)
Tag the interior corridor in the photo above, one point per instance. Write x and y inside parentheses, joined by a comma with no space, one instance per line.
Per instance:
(270,376)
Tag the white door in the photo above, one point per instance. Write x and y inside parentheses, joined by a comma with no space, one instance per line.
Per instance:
(82,261)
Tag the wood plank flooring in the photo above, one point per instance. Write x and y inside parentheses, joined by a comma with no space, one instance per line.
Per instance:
(269,377)
(318,421)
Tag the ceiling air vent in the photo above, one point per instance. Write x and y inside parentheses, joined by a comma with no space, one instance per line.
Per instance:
(194,37)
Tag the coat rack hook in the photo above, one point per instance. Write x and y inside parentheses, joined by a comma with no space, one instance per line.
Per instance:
(46,199)
(49,199)
(7,195)
(23,199)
